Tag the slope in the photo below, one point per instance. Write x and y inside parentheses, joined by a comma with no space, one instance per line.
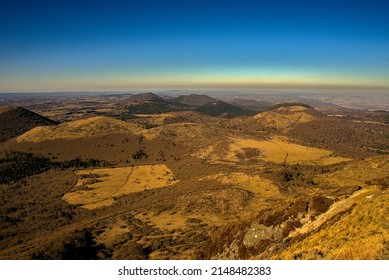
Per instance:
(284,117)
(195,99)
(15,121)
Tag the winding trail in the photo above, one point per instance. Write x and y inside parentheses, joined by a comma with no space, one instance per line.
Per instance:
(109,196)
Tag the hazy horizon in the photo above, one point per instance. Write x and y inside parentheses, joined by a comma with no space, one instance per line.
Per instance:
(219,91)
(128,45)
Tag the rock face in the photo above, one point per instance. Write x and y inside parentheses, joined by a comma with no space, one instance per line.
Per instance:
(15,121)
(259,232)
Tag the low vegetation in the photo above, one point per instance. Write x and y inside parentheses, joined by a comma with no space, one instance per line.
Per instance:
(15,166)
(223,109)
(210,182)
(100,187)
(289,104)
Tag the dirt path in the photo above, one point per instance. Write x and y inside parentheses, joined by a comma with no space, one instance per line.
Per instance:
(109,196)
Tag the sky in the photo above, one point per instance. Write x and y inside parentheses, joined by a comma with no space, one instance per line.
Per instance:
(127,45)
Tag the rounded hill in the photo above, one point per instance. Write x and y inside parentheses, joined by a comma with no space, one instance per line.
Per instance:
(80,129)
(15,121)
(142,97)
(220,108)
(195,99)
(284,116)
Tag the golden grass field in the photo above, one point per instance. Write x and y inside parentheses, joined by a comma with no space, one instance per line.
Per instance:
(278,149)
(99,187)
(357,173)
(91,127)
(252,183)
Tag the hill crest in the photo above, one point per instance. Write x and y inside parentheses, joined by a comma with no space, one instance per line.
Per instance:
(284,116)
(223,109)
(195,99)
(142,97)
(85,128)
(16,120)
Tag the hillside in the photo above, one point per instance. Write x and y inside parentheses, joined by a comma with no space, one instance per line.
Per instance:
(101,138)
(17,120)
(148,103)
(195,99)
(251,104)
(289,106)
(346,137)
(190,185)
(142,97)
(317,225)
(222,109)
(82,129)
(283,117)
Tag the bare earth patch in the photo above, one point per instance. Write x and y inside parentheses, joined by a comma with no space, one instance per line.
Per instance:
(99,187)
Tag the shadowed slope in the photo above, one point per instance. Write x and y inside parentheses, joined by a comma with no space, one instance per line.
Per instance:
(15,121)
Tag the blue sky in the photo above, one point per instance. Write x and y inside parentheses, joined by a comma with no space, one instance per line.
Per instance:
(125,45)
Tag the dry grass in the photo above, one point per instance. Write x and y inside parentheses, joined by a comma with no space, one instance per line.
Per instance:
(252,183)
(362,234)
(91,127)
(5,109)
(165,221)
(172,222)
(223,202)
(179,131)
(284,118)
(357,173)
(99,187)
(156,119)
(278,149)
(335,209)
(115,234)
